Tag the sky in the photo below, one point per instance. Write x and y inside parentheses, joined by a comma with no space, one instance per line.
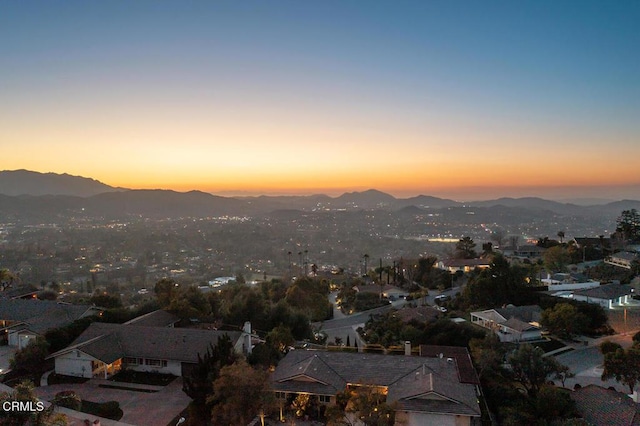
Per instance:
(462,99)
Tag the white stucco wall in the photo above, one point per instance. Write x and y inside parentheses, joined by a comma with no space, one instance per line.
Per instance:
(70,364)
(173,367)
(574,286)
(21,338)
(422,419)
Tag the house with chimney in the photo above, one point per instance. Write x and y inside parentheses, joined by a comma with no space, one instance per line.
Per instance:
(423,389)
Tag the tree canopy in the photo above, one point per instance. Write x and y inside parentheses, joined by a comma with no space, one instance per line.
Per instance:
(531,368)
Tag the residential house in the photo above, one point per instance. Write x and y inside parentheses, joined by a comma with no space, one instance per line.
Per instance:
(104,349)
(528,251)
(605,407)
(22,320)
(464,265)
(608,296)
(424,390)
(623,259)
(570,281)
(512,323)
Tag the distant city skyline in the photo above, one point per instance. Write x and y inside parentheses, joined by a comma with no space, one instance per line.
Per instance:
(457,99)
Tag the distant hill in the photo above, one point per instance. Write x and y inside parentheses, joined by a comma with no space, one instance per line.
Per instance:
(24,182)
(369,199)
(47,196)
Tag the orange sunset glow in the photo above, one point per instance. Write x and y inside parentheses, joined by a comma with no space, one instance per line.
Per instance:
(296,109)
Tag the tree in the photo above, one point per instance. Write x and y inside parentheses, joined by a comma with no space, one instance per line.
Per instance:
(628,224)
(366,404)
(563,373)
(564,320)
(531,368)
(280,338)
(561,236)
(556,258)
(198,382)
(165,290)
(105,300)
(24,392)
(487,353)
(31,358)
(624,366)
(608,346)
(239,393)
(465,248)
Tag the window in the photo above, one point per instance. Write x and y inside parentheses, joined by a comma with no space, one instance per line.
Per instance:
(324,398)
(132,361)
(155,362)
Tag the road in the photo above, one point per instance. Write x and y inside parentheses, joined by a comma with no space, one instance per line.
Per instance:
(344,326)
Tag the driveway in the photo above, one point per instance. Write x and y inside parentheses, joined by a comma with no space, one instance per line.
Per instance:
(139,408)
(586,363)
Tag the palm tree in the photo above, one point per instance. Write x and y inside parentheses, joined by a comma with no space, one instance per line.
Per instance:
(366,262)
(561,236)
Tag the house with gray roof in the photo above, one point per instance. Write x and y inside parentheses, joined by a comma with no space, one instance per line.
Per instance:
(22,320)
(104,349)
(623,259)
(511,323)
(608,296)
(424,390)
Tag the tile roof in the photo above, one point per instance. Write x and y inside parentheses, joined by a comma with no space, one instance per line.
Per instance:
(108,342)
(605,407)
(466,371)
(416,383)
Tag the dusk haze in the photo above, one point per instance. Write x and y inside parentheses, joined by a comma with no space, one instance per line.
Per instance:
(461,99)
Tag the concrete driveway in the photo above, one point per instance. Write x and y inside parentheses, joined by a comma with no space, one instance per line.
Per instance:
(139,408)
(586,363)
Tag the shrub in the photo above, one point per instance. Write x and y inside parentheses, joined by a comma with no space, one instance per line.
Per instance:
(110,410)
(68,399)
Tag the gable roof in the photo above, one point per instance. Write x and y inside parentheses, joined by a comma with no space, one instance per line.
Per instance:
(109,342)
(605,407)
(410,381)
(418,313)
(527,313)
(606,292)
(157,318)
(42,315)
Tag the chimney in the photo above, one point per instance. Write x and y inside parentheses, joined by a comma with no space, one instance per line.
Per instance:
(246,337)
(407,348)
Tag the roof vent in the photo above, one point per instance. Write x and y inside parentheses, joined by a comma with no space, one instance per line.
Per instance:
(450,360)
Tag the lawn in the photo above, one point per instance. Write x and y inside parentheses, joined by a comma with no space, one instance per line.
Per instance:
(143,378)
